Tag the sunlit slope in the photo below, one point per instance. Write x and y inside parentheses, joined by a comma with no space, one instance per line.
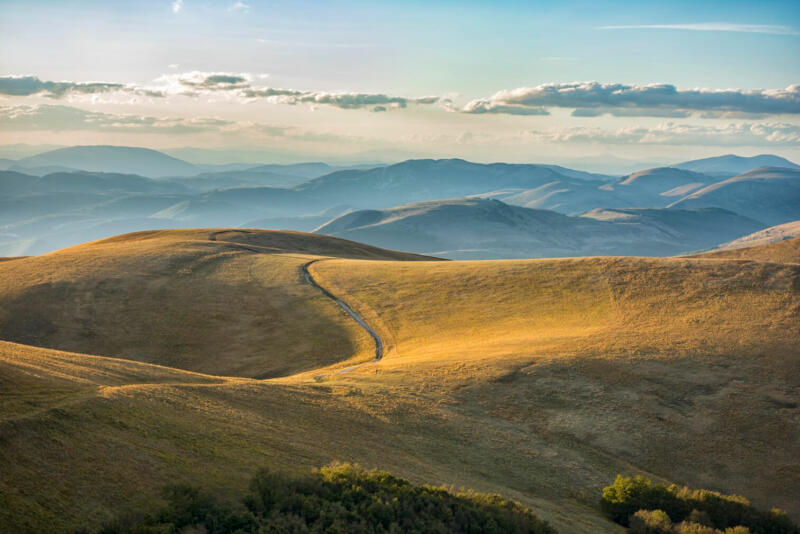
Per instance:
(605,307)
(786,251)
(687,368)
(86,438)
(219,302)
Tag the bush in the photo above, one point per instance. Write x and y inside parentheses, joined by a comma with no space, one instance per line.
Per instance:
(650,522)
(339,498)
(697,511)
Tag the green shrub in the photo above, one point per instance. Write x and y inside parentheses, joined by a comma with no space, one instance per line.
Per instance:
(697,510)
(650,522)
(339,498)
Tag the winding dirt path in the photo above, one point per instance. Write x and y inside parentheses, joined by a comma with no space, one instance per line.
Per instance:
(378,343)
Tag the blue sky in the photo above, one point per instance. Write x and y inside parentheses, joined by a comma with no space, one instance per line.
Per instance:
(459,52)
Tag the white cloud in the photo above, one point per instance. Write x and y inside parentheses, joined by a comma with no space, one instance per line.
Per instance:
(66,118)
(32,85)
(177,5)
(734,134)
(658,98)
(239,6)
(711,27)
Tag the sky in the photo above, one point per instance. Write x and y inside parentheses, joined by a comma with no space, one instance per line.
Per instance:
(574,82)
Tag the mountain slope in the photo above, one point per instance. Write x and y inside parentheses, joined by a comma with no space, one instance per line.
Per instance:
(699,228)
(202,282)
(663,181)
(116,159)
(767,194)
(480,228)
(418,180)
(773,234)
(570,197)
(787,250)
(732,165)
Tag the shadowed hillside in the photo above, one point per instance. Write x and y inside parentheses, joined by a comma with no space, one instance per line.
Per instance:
(228,302)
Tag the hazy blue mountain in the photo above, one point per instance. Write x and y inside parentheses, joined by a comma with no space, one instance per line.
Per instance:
(117,159)
(16,183)
(488,228)
(697,228)
(12,183)
(232,179)
(222,167)
(571,197)
(42,170)
(768,194)
(662,182)
(426,179)
(45,234)
(732,164)
(20,208)
(301,223)
(5,163)
(233,207)
(649,188)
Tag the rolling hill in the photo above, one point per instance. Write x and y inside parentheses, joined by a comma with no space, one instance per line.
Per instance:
(114,159)
(651,188)
(731,164)
(662,182)
(480,228)
(767,194)
(428,179)
(540,379)
(38,293)
(773,234)
(761,248)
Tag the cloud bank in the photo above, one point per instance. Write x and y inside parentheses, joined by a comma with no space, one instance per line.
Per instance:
(736,134)
(196,84)
(594,98)
(31,85)
(711,27)
(67,118)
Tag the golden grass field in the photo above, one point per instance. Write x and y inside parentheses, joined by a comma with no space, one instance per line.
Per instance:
(539,379)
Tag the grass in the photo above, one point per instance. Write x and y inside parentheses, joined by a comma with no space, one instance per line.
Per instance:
(787,251)
(538,379)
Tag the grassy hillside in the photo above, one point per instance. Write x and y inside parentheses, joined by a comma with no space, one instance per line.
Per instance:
(773,234)
(645,361)
(786,251)
(231,306)
(539,379)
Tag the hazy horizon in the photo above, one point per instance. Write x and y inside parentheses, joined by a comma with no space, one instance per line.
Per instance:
(349,81)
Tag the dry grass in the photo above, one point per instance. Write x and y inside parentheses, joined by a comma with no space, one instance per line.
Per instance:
(787,251)
(232,306)
(540,379)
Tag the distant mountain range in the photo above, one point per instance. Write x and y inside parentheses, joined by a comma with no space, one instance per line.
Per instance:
(642,213)
(731,164)
(480,228)
(770,194)
(130,160)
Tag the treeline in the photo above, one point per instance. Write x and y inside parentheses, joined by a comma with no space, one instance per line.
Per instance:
(648,508)
(340,498)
